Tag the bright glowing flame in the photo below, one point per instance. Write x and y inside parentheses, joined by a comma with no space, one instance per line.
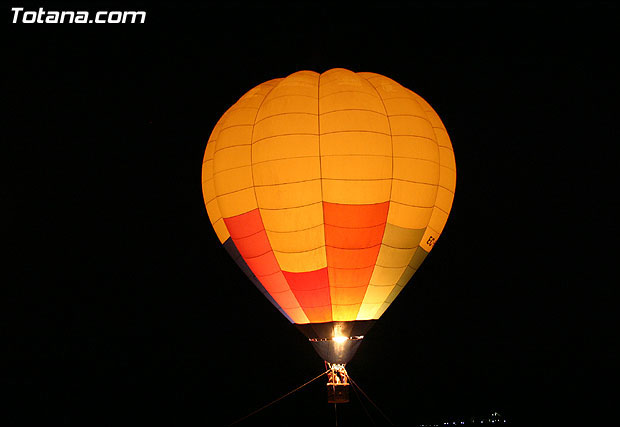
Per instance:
(340,340)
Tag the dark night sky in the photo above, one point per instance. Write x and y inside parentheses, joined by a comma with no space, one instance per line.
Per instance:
(124,309)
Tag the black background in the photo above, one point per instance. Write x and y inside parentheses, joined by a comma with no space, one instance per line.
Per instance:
(123,308)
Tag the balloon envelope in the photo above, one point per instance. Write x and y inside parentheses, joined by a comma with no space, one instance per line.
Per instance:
(329,190)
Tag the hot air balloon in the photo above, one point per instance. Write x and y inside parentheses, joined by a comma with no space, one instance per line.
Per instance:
(329,190)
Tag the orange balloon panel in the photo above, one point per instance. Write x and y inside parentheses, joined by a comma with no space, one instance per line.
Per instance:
(329,190)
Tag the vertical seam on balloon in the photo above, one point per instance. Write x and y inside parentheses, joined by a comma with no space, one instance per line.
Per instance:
(254,187)
(223,119)
(415,95)
(252,143)
(318,122)
(215,141)
(387,117)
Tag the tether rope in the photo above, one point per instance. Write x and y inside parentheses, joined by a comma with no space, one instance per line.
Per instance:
(370,400)
(363,406)
(279,398)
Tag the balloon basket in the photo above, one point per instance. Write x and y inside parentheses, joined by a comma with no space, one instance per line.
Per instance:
(337,383)
(338,393)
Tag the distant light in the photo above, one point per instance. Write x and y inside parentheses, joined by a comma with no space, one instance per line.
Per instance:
(340,340)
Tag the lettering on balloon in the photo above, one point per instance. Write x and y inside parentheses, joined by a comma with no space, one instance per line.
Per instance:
(430,241)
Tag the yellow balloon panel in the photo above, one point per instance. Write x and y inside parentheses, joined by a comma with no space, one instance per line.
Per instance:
(286,171)
(231,180)
(381,309)
(208,186)
(356,192)
(416,170)
(376,295)
(364,168)
(414,193)
(354,120)
(285,146)
(237,203)
(293,219)
(442,137)
(286,124)
(298,241)
(438,220)
(231,158)
(233,136)
(403,238)
(394,257)
(404,105)
(278,104)
(444,199)
(345,312)
(446,158)
(412,125)
(350,100)
(447,178)
(415,147)
(367,311)
(385,276)
(220,229)
(406,216)
(356,143)
(299,262)
(289,195)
